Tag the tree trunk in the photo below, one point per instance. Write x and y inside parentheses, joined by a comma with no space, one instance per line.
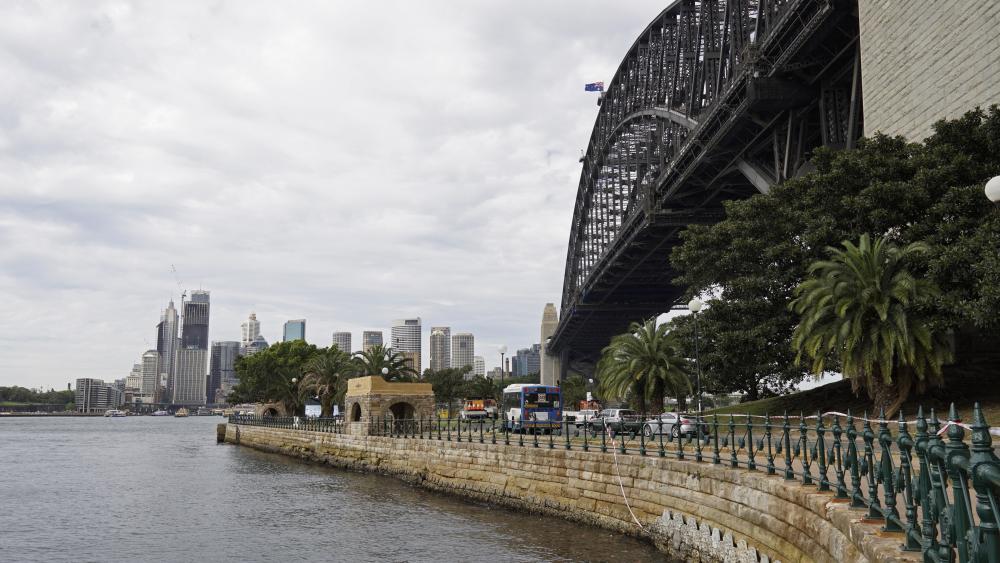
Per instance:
(887,398)
(681,403)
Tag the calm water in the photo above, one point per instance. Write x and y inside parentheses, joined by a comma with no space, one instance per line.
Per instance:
(161,489)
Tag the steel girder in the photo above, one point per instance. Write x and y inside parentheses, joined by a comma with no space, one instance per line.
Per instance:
(716,99)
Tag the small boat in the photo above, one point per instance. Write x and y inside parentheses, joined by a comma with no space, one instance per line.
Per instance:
(161,413)
(114,413)
(181,412)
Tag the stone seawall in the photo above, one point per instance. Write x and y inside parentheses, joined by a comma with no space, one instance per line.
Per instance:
(691,511)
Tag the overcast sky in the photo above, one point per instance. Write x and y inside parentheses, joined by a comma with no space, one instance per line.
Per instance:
(346,162)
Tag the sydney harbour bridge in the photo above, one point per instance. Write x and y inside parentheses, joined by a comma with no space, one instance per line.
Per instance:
(715,100)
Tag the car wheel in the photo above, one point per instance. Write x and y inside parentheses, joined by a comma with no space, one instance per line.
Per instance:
(674,432)
(647,431)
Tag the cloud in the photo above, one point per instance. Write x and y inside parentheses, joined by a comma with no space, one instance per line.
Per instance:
(346,162)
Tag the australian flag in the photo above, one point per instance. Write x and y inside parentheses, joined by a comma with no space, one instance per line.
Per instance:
(594,87)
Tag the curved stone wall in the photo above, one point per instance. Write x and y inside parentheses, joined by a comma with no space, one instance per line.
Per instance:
(692,511)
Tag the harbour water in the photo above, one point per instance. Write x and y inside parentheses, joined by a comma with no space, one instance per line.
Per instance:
(161,489)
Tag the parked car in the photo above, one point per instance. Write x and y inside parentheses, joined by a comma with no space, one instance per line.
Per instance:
(667,424)
(580,418)
(618,420)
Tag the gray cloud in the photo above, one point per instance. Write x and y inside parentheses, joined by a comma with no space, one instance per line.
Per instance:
(347,162)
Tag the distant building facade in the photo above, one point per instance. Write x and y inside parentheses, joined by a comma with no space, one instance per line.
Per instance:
(295,329)
(222,370)
(478,366)
(149,371)
(256,345)
(96,396)
(190,381)
(370,338)
(166,347)
(440,347)
(249,330)
(463,348)
(342,340)
(527,361)
(406,335)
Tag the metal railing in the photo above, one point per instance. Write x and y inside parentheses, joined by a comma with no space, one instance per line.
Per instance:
(918,483)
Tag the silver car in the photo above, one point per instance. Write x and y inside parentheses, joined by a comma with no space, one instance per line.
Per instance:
(667,424)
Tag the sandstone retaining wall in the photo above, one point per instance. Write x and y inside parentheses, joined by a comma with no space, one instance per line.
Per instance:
(692,511)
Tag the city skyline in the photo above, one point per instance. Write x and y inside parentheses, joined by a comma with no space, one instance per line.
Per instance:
(259,183)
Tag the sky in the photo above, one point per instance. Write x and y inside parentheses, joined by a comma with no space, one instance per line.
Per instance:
(349,163)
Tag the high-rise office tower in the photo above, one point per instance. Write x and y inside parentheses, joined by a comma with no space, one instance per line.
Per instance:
(342,340)
(96,396)
(192,357)
(258,344)
(150,376)
(406,334)
(295,329)
(370,338)
(166,346)
(478,366)
(549,364)
(221,370)
(249,330)
(463,348)
(440,347)
(527,361)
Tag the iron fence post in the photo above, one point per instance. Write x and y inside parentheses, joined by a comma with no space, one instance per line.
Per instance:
(905,443)
(659,434)
(770,451)
(642,440)
(566,432)
(857,497)
(824,483)
(751,452)
(806,459)
(985,468)
(733,461)
(786,437)
(888,479)
(957,453)
(868,435)
(716,459)
(838,457)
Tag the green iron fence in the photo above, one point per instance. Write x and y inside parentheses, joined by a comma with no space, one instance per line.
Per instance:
(919,484)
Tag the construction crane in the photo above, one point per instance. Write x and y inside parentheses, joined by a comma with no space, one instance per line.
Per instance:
(179,286)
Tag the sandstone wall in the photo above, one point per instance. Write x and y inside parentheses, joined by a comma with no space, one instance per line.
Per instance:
(922,61)
(691,511)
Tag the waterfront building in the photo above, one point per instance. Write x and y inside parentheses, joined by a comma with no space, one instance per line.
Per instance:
(133,383)
(478,366)
(190,379)
(370,338)
(295,329)
(256,345)
(249,330)
(463,348)
(149,376)
(96,396)
(406,335)
(166,347)
(549,365)
(342,340)
(527,361)
(440,347)
(221,370)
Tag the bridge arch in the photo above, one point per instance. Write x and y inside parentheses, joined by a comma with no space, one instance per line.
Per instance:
(715,100)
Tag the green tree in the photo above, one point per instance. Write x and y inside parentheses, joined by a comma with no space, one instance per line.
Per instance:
(449,384)
(861,307)
(574,390)
(753,259)
(267,375)
(480,387)
(326,376)
(645,363)
(373,360)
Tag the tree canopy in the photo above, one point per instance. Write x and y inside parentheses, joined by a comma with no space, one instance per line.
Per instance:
(267,375)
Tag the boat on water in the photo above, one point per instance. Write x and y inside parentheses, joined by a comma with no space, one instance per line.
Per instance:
(161,413)
(181,412)
(114,413)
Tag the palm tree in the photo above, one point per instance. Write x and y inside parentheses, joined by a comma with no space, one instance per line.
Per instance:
(379,357)
(859,308)
(326,376)
(646,363)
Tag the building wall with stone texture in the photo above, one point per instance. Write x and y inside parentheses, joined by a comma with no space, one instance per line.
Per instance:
(691,511)
(924,61)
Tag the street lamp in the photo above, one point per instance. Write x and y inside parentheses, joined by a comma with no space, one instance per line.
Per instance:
(385,372)
(695,305)
(993,190)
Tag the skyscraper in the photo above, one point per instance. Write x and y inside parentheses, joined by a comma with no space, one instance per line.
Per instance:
(371,338)
(440,347)
(149,376)
(295,329)
(222,371)
(258,344)
(166,347)
(192,357)
(250,330)
(549,364)
(406,335)
(342,340)
(478,366)
(463,348)
(527,361)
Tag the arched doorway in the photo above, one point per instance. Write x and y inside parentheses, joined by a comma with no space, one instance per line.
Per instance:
(271,412)
(356,412)
(402,411)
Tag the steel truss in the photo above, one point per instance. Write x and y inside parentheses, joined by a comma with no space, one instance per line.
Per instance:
(716,100)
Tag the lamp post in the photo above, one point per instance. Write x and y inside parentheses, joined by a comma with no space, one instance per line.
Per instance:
(503,350)
(695,305)
(993,190)
(295,394)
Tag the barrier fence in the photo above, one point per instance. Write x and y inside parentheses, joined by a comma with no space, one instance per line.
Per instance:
(917,483)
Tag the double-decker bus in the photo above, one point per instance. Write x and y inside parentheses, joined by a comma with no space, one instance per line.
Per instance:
(531,407)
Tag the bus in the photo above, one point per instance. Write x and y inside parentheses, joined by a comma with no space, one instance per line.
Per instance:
(532,407)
